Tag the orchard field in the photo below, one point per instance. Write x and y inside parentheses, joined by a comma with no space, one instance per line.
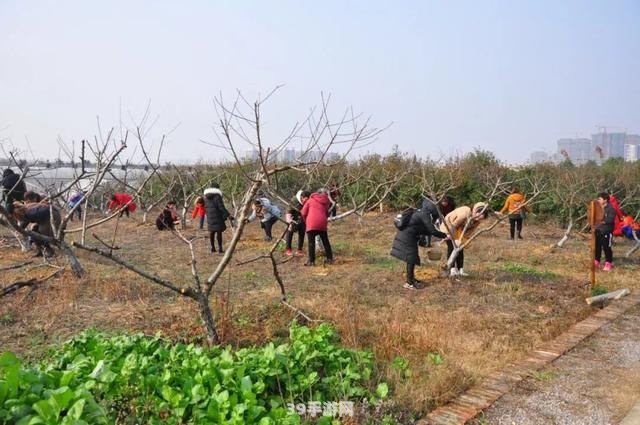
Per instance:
(128,324)
(426,346)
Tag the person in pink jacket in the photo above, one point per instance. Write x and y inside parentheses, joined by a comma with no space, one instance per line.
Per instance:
(315,213)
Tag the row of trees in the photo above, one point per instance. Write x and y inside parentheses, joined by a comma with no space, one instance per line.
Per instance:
(399,181)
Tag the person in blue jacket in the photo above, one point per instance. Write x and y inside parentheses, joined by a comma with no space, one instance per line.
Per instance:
(75,199)
(268,214)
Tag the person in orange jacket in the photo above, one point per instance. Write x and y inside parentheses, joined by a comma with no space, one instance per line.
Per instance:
(198,211)
(516,209)
(630,227)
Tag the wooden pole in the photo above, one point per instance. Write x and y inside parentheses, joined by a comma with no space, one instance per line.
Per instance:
(592,264)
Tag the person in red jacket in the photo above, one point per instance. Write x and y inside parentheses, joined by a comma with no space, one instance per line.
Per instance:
(119,200)
(315,213)
(198,211)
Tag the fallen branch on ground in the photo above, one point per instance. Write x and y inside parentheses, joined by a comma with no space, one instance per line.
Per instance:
(615,295)
(15,266)
(31,282)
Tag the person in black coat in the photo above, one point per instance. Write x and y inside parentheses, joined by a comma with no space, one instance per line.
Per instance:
(295,222)
(604,232)
(445,205)
(217,215)
(405,244)
(13,188)
(431,208)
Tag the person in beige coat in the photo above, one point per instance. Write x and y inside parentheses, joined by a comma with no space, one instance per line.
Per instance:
(456,221)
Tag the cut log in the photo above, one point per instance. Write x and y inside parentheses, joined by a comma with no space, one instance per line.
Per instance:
(615,295)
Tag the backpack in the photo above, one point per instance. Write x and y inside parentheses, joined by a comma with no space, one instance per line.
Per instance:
(401,221)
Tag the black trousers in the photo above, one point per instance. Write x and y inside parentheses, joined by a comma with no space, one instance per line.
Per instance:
(311,236)
(459,263)
(300,230)
(603,242)
(411,277)
(213,235)
(78,212)
(267,225)
(515,223)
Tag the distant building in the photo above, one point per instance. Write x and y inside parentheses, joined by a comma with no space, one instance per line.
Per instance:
(291,156)
(287,156)
(616,144)
(633,139)
(310,156)
(631,152)
(579,151)
(556,158)
(608,145)
(539,157)
(632,148)
(252,155)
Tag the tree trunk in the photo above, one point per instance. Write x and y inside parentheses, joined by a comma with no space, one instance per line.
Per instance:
(207,319)
(73,261)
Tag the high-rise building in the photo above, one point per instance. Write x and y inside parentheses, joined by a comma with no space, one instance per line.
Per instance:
(608,145)
(633,139)
(616,144)
(631,152)
(632,148)
(577,150)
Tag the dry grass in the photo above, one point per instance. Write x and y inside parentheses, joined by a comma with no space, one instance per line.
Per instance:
(474,325)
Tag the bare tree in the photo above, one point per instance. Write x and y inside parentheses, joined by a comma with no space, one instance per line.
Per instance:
(240,123)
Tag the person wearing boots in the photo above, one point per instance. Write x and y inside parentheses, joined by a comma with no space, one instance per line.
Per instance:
(217,216)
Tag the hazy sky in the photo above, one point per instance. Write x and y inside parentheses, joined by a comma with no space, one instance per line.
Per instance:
(508,76)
